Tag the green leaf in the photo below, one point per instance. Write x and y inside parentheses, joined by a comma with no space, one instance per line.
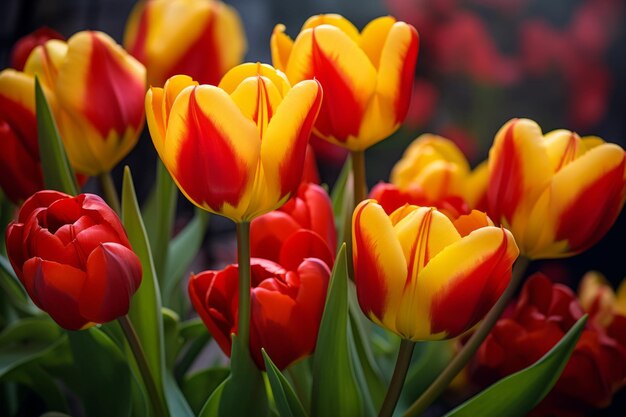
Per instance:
(245,381)
(13,289)
(198,385)
(36,378)
(171,338)
(176,401)
(342,198)
(182,251)
(287,402)
(145,308)
(519,393)
(105,386)
(335,389)
(26,341)
(212,406)
(372,384)
(57,172)
(160,230)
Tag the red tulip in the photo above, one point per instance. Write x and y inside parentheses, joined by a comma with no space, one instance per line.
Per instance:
(532,326)
(286,307)
(302,228)
(74,259)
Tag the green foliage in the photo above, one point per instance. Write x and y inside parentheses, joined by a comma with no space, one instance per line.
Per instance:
(286,400)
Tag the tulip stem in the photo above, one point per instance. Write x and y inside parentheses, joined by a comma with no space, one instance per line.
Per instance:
(142,364)
(397,380)
(109,191)
(358,174)
(243,260)
(472,345)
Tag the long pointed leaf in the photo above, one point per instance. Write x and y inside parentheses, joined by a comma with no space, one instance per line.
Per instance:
(57,172)
(335,390)
(145,309)
(519,393)
(286,400)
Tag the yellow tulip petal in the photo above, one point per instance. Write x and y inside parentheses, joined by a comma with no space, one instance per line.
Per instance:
(45,60)
(212,150)
(379,264)
(374,36)
(284,142)
(335,20)
(236,75)
(459,285)
(280,45)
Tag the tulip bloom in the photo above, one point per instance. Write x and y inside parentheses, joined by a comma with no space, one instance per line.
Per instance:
(304,225)
(73,258)
(24,46)
(20,168)
(541,316)
(558,193)
(425,277)
(286,307)
(99,90)
(237,149)
(199,38)
(367,77)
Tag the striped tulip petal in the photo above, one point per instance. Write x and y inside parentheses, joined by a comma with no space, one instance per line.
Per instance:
(424,278)
(547,188)
(208,137)
(280,45)
(380,268)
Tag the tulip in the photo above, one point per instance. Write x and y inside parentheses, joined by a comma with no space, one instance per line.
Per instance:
(237,149)
(20,168)
(558,193)
(23,47)
(99,89)
(534,323)
(424,276)
(367,77)
(286,309)
(199,38)
(73,257)
(304,225)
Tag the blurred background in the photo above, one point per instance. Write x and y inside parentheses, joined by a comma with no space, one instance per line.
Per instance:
(481,63)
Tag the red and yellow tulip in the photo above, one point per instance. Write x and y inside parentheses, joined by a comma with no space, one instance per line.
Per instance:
(24,46)
(73,257)
(434,172)
(425,277)
(20,167)
(199,38)
(99,90)
(367,76)
(237,149)
(558,193)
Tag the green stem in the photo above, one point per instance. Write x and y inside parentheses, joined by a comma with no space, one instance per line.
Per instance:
(397,380)
(358,173)
(142,364)
(472,345)
(243,259)
(109,191)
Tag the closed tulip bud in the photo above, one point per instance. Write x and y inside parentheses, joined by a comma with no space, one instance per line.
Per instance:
(286,307)
(558,193)
(99,90)
(199,38)
(20,168)
(73,257)
(367,76)
(303,227)
(424,276)
(237,149)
